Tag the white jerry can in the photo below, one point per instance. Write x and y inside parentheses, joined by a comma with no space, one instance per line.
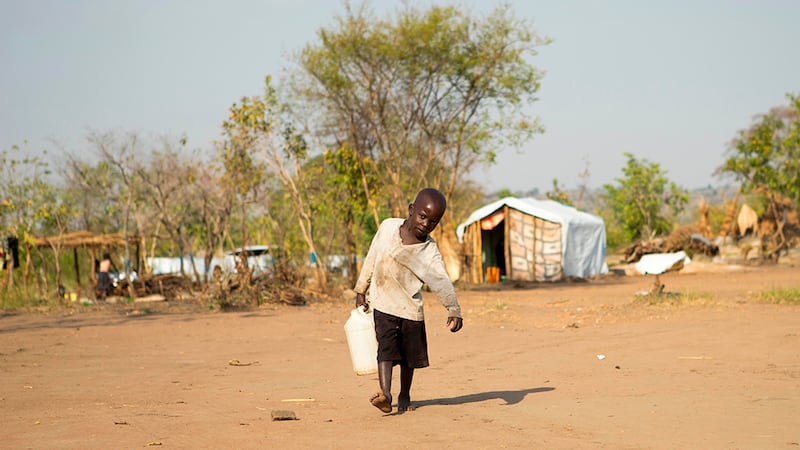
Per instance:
(360,332)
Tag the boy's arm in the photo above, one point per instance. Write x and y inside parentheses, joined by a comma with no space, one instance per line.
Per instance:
(364,280)
(361,300)
(439,283)
(365,277)
(455,323)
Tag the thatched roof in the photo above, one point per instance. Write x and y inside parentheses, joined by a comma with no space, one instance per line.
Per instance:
(84,239)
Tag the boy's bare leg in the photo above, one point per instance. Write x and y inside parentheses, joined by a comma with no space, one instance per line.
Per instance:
(383,399)
(385,378)
(404,399)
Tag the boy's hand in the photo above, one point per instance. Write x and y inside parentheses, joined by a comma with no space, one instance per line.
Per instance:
(455,323)
(361,300)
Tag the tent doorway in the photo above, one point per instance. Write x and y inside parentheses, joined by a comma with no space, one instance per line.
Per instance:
(493,251)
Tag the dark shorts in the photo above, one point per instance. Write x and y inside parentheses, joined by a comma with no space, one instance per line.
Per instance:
(103,282)
(401,341)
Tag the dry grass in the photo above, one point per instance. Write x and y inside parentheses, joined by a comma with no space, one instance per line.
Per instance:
(790,296)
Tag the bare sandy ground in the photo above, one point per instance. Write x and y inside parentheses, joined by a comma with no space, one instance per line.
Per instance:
(719,370)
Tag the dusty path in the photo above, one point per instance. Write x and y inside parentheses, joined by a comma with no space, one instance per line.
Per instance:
(720,370)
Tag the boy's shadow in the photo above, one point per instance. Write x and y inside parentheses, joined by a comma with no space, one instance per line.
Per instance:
(510,397)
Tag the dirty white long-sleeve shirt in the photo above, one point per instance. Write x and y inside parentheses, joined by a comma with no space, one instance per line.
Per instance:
(393,274)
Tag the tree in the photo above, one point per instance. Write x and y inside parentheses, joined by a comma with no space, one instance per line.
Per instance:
(93,185)
(259,128)
(244,177)
(425,96)
(765,158)
(558,194)
(645,199)
(56,213)
(349,202)
(122,154)
(32,205)
(214,208)
(583,196)
(167,184)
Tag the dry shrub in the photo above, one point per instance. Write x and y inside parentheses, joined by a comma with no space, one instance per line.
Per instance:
(282,284)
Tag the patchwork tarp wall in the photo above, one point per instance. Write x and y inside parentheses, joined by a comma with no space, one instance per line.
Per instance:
(530,239)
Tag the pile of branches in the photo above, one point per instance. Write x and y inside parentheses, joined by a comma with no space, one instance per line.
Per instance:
(282,284)
(685,239)
(171,286)
(689,240)
(635,251)
(779,228)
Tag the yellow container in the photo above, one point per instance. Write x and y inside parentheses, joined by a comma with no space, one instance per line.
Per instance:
(492,274)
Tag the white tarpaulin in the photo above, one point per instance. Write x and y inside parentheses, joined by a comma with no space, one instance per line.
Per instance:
(658,263)
(583,235)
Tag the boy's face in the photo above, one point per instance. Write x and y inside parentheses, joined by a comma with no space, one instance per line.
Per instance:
(424,215)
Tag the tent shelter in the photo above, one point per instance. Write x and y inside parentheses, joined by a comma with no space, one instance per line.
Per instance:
(532,240)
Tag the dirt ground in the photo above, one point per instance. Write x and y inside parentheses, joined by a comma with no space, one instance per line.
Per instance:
(553,366)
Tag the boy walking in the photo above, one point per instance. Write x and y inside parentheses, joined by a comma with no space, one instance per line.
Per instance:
(401,259)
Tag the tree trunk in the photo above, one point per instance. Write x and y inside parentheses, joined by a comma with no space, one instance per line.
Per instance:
(449,248)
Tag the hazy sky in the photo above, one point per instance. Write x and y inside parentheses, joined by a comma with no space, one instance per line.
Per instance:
(669,81)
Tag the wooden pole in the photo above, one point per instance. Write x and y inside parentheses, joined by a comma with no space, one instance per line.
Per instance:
(94,264)
(77,266)
(507,242)
(478,252)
